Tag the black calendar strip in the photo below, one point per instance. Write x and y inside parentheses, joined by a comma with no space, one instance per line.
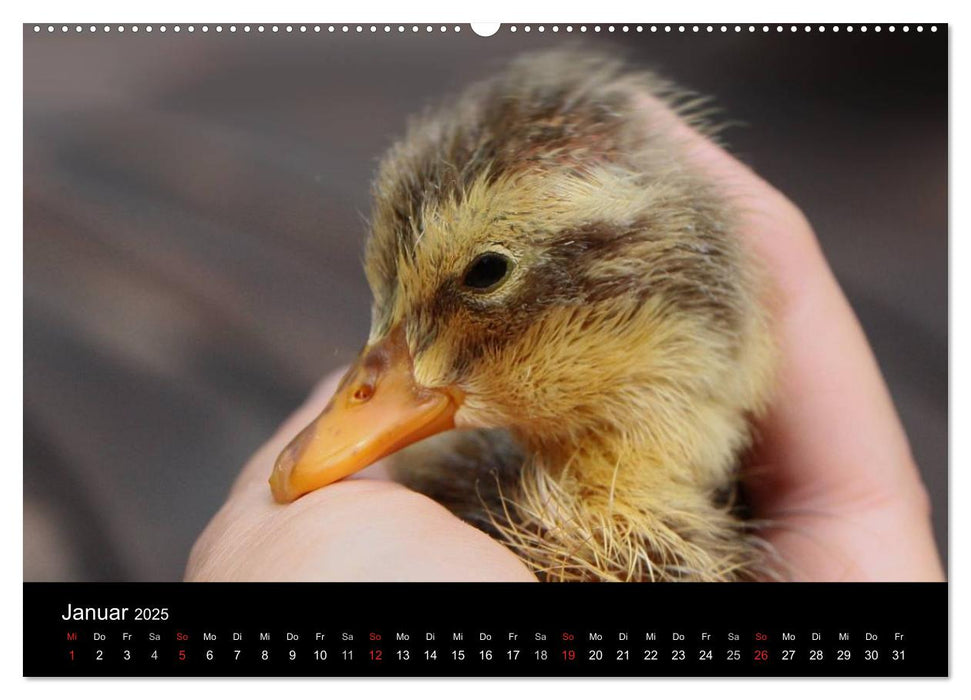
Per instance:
(485,629)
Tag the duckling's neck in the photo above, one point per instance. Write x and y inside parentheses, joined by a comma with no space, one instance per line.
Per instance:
(577,446)
(602,504)
(587,451)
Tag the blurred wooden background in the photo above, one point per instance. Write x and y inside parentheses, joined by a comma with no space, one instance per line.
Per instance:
(194,206)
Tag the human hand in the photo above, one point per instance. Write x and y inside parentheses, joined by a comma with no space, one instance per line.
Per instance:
(833,476)
(365,528)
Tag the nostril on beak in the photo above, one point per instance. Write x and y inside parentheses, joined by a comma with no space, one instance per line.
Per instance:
(363,393)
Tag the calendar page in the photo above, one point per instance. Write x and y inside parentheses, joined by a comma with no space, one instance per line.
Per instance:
(485,350)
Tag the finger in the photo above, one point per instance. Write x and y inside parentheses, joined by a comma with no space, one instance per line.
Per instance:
(352,531)
(831,431)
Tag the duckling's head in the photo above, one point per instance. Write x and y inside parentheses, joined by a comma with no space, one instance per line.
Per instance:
(542,259)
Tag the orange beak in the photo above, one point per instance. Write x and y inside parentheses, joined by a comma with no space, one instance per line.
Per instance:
(377,410)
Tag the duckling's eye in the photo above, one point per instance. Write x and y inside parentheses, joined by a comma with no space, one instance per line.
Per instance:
(487,271)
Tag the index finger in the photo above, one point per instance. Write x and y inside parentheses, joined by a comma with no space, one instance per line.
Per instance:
(832,427)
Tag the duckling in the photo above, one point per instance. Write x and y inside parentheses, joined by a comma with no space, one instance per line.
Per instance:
(553,279)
